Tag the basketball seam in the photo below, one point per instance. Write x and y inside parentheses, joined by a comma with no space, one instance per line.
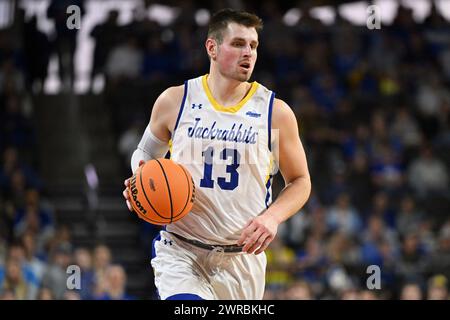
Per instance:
(189,192)
(143,216)
(168,188)
(145,195)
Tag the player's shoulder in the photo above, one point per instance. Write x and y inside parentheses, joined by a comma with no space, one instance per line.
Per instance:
(172,93)
(281,105)
(281,113)
(169,100)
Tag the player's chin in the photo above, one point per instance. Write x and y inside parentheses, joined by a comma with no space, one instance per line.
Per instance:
(244,75)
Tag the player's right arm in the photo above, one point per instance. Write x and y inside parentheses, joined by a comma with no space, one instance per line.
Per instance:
(155,140)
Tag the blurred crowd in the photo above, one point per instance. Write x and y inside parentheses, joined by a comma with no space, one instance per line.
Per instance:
(35,251)
(374,116)
(374,113)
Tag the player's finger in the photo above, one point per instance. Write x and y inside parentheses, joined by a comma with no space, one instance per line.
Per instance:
(125,194)
(248,223)
(127,198)
(127,183)
(248,230)
(252,240)
(257,244)
(129,205)
(245,233)
(264,245)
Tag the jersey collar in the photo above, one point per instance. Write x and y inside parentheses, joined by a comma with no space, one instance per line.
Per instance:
(231,109)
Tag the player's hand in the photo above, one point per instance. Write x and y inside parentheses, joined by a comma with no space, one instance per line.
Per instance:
(125,192)
(258,234)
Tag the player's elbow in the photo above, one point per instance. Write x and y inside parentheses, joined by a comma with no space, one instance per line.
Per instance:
(308,186)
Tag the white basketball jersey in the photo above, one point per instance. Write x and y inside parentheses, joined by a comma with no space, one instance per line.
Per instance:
(227,150)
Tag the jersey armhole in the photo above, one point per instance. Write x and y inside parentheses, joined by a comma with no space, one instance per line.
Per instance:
(269,119)
(169,153)
(181,108)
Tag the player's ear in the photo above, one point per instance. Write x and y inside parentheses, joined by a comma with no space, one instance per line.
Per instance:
(211,48)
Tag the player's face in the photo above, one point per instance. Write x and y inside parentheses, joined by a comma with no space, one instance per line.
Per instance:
(236,55)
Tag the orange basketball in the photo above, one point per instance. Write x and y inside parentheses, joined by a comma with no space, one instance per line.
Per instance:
(161,191)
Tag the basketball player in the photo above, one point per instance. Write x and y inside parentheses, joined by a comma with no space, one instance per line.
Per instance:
(217,250)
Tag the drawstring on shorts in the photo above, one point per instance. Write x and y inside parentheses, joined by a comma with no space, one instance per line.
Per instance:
(216,258)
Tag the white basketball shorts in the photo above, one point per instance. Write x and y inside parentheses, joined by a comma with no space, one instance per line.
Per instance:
(181,268)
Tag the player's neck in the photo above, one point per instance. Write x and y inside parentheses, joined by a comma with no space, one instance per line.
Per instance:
(227,92)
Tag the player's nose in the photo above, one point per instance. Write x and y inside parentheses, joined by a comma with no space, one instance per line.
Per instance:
(247,51)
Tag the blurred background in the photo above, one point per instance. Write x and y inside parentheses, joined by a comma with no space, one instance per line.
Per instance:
(374,116)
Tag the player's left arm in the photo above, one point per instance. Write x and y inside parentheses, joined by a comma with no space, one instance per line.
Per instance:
(259,232)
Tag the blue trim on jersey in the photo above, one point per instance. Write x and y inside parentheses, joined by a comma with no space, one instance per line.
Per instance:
(272,96)
(185,296)
(268,195)
(181,108)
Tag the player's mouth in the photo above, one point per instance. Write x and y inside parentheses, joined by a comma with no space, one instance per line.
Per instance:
(245,65)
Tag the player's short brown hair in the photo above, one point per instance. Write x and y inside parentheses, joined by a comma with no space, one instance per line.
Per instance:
(220,20)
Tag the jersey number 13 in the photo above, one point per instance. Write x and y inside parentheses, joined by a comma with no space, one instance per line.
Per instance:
(225,184)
